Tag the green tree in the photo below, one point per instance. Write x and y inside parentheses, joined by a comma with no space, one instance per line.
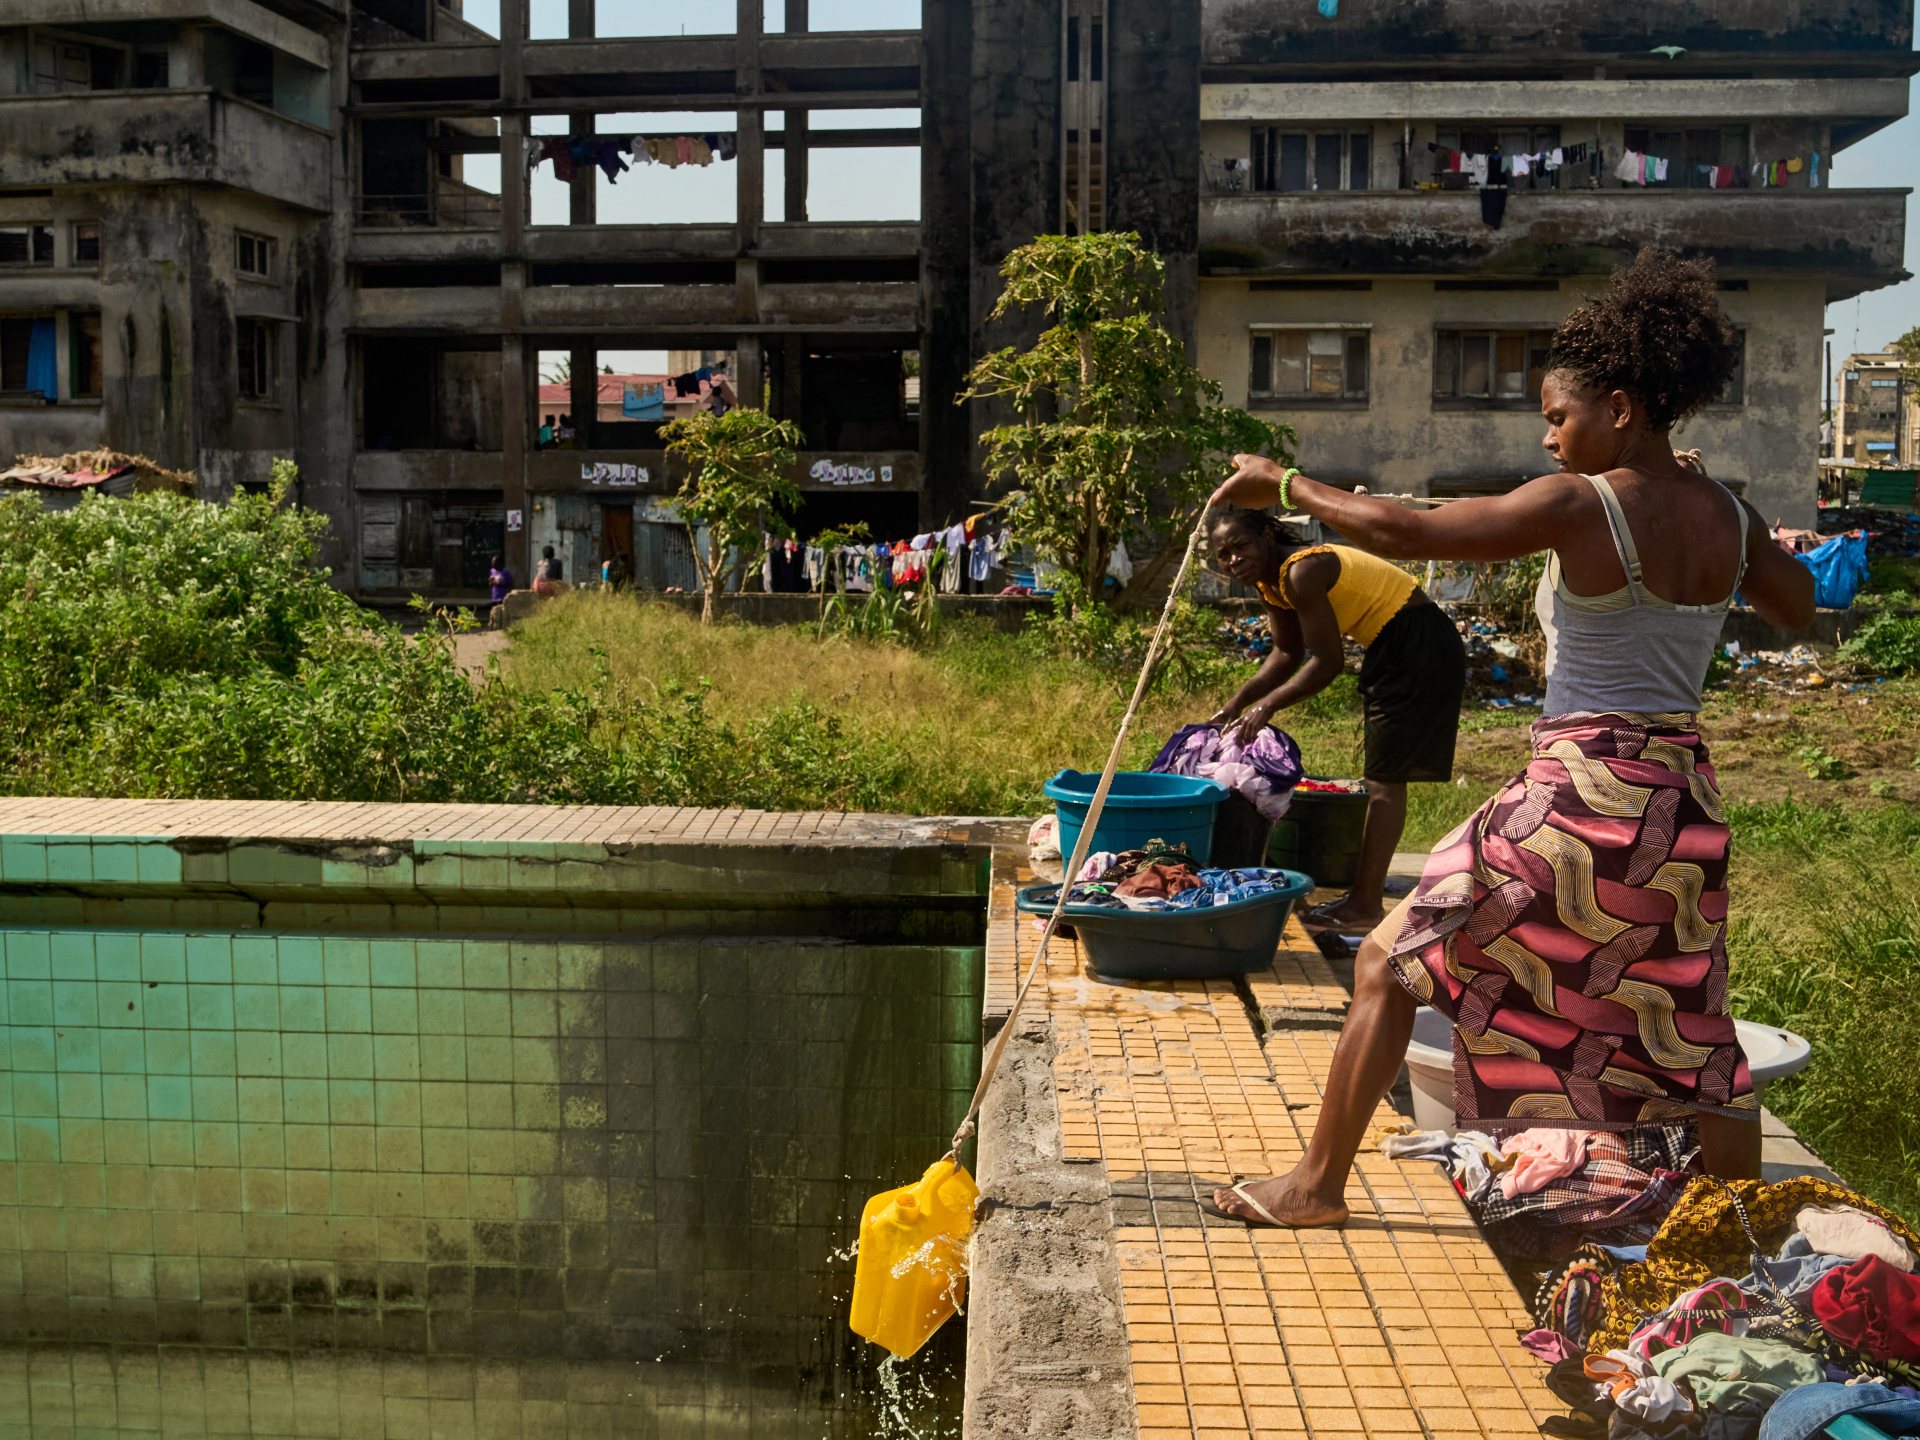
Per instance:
(736,485)
(1118,436)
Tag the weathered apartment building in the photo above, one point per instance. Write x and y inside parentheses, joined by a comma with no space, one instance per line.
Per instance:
(231,229)
(1876,413)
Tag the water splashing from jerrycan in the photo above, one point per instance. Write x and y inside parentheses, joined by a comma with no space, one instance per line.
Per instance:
(911,1275)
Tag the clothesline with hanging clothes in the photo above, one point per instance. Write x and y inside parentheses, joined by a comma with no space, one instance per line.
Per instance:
(1484,166)
(948,559)
(612,152)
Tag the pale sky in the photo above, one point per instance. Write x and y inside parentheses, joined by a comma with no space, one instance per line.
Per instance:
(885,184)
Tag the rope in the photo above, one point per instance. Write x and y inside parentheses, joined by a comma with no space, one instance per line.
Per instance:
(992,1063)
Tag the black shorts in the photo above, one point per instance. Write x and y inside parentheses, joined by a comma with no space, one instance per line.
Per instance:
(1412,681)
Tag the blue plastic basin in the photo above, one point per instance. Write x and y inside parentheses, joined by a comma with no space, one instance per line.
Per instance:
(1177,809)
(1203,943)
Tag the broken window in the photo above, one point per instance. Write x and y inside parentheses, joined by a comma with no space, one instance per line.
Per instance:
(83,350)
(1289,160)
(86,245)
(1309,365)
(253,255)
(254,344)
(26,245)
(1494,366)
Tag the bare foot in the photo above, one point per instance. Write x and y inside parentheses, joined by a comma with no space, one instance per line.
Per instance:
(1292,1204)
(1344,915)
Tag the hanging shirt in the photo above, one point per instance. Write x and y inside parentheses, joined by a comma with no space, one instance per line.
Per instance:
(1631,169)
(1368,593)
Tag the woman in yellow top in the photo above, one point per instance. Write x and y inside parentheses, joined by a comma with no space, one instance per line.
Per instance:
(1411,681)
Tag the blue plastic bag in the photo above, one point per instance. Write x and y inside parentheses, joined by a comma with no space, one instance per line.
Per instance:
(1839,569)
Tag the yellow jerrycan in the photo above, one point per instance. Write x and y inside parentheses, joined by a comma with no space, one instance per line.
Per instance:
(911,1275)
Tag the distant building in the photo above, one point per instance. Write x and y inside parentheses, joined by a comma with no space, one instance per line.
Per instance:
(1876,414)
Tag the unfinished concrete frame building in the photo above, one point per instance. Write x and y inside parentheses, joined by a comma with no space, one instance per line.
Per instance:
(309,227)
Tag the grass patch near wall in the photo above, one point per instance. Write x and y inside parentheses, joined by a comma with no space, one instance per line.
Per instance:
(1824,936)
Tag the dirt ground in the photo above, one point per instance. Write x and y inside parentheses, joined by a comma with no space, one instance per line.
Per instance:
(471,650)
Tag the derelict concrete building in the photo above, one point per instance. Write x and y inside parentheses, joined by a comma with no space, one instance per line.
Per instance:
(235,229)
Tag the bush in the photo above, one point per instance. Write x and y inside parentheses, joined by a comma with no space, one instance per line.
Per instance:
(1887,643)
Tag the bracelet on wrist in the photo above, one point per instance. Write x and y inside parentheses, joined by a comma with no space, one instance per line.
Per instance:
(1287,477)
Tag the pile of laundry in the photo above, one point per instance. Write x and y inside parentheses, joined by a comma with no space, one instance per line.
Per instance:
(1542,1193)
(1264,771)
(1162,877)
(1756,1312)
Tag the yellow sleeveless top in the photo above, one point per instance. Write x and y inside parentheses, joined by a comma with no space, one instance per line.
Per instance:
(1368,594)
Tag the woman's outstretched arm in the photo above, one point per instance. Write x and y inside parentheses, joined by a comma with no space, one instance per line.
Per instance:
(1536,516)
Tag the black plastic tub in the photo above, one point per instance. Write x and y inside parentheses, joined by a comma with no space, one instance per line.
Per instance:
(1198,944)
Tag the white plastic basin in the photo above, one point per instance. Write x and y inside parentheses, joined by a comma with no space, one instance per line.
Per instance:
(1771,1055)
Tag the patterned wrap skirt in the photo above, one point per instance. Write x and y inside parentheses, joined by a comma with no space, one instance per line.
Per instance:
(1574,931)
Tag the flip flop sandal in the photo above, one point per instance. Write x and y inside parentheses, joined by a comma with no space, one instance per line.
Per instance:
(1239,1188)
(1322,917)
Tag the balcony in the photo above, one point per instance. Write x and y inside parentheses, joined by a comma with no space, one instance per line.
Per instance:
(1853,239)
(1871,36)
(162,137)
(881,308)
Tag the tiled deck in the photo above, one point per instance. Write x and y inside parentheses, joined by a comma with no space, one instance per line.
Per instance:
(1401,1324)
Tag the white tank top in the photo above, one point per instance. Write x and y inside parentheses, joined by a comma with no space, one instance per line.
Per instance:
(1628,650)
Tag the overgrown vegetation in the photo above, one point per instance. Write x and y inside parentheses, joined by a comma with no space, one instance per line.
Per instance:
(1117,436)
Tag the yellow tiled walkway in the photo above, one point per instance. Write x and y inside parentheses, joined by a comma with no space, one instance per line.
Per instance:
(1402,1324)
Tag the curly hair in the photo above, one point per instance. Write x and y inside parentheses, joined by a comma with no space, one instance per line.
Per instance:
(1657,332)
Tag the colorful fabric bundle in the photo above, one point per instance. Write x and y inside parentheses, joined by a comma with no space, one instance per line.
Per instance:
(1264,771)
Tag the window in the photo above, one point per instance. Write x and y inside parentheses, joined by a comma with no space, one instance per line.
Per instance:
(1493,367)
(1318,160)
(26,245)
(83,348)
(1308,365)
(150,69)
(1691,154)
(61,66)
(86,245)
(1885,384)
(1735,392)
(254,341)
(253,255)
(27,364)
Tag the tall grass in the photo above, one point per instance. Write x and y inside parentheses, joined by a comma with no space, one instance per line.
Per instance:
(971,725)
(1824,936)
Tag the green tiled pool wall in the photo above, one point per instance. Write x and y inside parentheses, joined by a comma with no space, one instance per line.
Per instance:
(478,1146)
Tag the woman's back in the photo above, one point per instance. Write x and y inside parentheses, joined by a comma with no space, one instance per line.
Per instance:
(1642,645)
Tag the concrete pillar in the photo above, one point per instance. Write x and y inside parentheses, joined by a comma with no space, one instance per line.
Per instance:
(750,131)
(187,59)
(750,371)
(796,133)
(946,323)
(516,396)
(582,194)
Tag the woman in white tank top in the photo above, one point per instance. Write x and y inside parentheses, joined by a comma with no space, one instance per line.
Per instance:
(1574,928)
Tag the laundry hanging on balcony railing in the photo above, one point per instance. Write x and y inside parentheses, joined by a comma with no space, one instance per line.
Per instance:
(1484,168)
(612,152)
(1773,174)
